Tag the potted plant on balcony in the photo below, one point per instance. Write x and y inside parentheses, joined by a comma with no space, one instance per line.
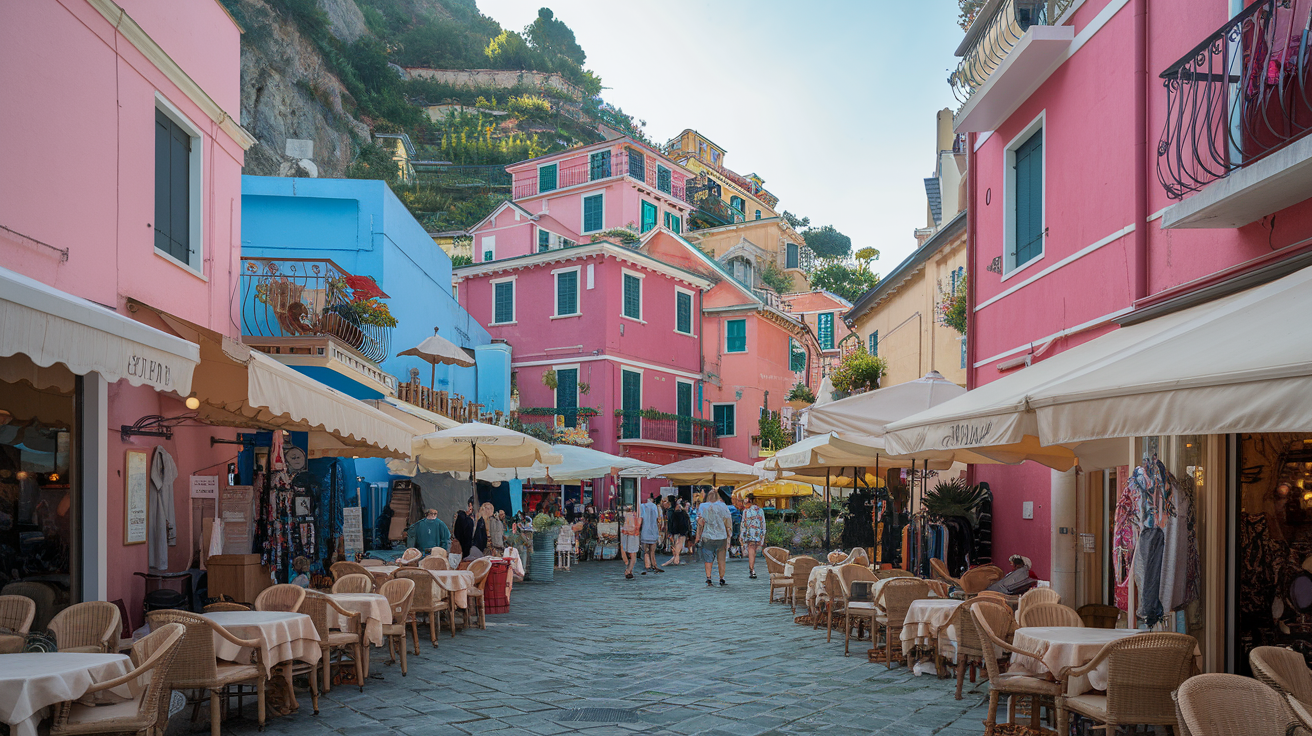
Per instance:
(859,371)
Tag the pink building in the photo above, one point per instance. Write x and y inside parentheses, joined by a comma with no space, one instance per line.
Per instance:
(822,312)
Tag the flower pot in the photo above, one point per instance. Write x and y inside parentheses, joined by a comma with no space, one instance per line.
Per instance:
(543,567)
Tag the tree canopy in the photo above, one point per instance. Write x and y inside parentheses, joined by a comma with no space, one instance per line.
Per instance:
(849,282)
(553,36)
(827,242)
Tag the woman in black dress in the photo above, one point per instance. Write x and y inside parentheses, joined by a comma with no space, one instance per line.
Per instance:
(679,525)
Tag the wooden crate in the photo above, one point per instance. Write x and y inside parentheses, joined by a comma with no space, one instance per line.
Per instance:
(240,576)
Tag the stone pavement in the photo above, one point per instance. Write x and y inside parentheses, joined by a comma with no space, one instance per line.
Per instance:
(659,654)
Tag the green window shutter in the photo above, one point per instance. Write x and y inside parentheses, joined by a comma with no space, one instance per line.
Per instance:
(172,189)
(874,343)
(683,312)
(544,240)
(637,165)
(662,179)
(648,216)
(825,330)
(758,214)
(797,356)
(683,407)
(1029,200)
(738,204)
(599,165)
(725,420)
(547,178)
(567,293)
(504,302)
(632,296)
(791,261)
(678,224)
(593,211)
(567,394)
(630,404)
(963,353)
(735,331)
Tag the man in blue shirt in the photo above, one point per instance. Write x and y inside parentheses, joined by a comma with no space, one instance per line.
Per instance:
(649,533)
(428,532)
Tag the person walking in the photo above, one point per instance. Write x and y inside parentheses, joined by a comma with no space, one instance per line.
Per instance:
(692,520)
(714,525)
(679,526)
(464,528)
(753,532)
(630,527)
(428,532)
(478,542)
(650,533)
(496,531)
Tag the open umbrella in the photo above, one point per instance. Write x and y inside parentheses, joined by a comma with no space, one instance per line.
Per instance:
(475,446)
(707,470)
(437,350)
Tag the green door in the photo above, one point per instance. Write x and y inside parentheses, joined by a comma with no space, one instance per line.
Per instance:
(684,409)
(1029,200)
(567,395)
(631,404)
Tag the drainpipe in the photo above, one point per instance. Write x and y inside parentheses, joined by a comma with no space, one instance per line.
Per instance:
(971,270)
(1139,268)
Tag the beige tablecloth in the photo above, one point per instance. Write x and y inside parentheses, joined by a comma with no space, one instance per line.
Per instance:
(30,683)
(815,586)
(282,636)
(455,583)
(1065,646)
(373,609)
(924,620)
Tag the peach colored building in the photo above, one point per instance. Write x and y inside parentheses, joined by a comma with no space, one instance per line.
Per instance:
(822,313)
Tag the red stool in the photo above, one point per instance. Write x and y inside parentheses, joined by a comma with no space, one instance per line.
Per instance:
(494,591)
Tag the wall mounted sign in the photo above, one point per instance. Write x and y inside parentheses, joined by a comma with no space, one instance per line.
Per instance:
(136,501)
(205,486)
(352,532)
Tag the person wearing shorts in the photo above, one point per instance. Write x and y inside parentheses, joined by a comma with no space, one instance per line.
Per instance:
(714,524)
(629,529)
(649,515)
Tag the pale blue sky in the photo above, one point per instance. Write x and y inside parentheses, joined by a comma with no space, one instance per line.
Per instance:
(831,102)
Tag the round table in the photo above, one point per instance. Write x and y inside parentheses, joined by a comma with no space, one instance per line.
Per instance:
(32,682)
(925,618)
(456,583)
(374,611)
(283,637)
(1066,646)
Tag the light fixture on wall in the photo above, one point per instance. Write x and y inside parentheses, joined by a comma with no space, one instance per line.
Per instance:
(192,402)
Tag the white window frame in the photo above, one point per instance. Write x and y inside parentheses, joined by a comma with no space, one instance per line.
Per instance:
(640,277)
(692,316)
(1009,267)
(539,181)
(514,301)
(195,186)
(537,243)
(629,369)
(583,209)
(555,395)
(578,292)
(692,395)
(484,241)
(732,404)
(745,349)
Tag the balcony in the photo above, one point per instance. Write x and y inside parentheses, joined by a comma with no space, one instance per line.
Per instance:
(449,405)
(1007,50)
(1238,111)
(642,169)
(642,426)
(704,193)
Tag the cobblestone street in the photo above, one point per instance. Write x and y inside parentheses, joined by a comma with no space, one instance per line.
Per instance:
(661,654)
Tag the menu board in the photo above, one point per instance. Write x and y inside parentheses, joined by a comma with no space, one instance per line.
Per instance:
(235,510)
(136,517)
(352,531)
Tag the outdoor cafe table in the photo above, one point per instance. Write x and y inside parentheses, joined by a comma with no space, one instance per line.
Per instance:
(374,611)
(32,682)
(1066,646)
(283,637)
(925,618)
(455,582)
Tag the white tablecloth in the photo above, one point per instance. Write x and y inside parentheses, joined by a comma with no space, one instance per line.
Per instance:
(32,682)
(924,620)
(456,583)
(373,609)
(282,636)
(1066,646)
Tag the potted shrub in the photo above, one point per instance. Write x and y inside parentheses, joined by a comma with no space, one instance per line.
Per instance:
(545,529)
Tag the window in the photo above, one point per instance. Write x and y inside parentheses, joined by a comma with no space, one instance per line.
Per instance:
(489,248)
(173,184)
(725,419)
(594,208)
(824,328)
(737,203)
(637,165)
(503,302)
(963,353)
(546,178)
(735,336)
(662,179)
(742,271)
(796,356)
(683,312)
(567,293)
(673,222)
(630,404)
(544,240)
(758,214)
(791,259)
(874,343)
(599,165)
(683,408)
(648,216)
(567,395)
(1027,212)
(632,296)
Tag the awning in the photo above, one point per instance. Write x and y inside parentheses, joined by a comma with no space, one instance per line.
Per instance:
(868,413)
(60,335)
(420,420)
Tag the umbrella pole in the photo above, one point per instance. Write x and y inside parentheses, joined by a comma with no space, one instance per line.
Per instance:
(473,472)
(878,556)
(826,509)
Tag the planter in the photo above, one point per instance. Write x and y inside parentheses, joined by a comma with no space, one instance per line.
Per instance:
(542,566)
(339,327)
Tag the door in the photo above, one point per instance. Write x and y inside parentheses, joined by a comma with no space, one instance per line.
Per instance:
(684,409)
(631,405)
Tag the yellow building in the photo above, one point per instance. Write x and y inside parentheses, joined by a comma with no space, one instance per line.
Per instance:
(747,248)
(722,196)
(900,320)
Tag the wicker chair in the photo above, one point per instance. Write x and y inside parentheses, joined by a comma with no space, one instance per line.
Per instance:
(480,567)
(977,579)
(372,562)
(354,583)
(967,651)
(1036,596)
(42,594)
(198,668)
(1049,614)
(893,572)
(837,557)
(940,570)
(154,655)
(283,597)
(1284,670)
(316,606)
(400,592)
(410,557)
(340,569)
(218,606)
(1098,616)
(895,598)
(430,601)
(1301,712)
(1041,692)
(834,603)
(938,588)
(1142,672)
(438,552)
(88,627)
(802,567)
(433,562)
(775,559)
(858,557)
(838,584)
(16,614)
(1224,705)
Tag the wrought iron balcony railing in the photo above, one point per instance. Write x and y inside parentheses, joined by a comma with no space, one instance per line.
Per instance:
(1237,96)
(992,36)
(642,168)
(303,297)
(682,430)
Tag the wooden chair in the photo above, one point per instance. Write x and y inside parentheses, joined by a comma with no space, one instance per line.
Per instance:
(16,614)
(283,597)
(1282,669)
(1142,672)
(775,559)
(316,605)
(410,557)
(802,567)
(480,567)
(340,569)
(1036,596)
(354,583)
(1224,705)
(197,667)
(430,601)
(835,601)
(895,598)
(1041,692)
(977,579)
(88,627)
(1098,616)
(1049,614)
(435,563)
(400,592)
(225,606)
(153,655)
(967,651)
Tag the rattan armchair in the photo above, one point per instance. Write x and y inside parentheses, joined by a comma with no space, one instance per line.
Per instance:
(775,559)
(1224,705)
(218,606)
(399,592)
(834,601)
(435,562)
(1301,712)
(1041,692)
(838,585)
(480,567)
(978,578)
(153,655)
(16,614)
(1142,672)
(1099,616)
(966,651)
(1036,596)
(938,587)
(283,597)
(430,601)
(1283,669)
(894,572)
(341,569)
(197,667)
(354,583)
(837,557)
(940,570)
(802,567)
(88,627)
(1049,614)
(410,557)
(895,598)
(316,605)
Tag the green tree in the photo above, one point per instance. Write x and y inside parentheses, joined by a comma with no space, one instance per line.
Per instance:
(795,222)
(969,9)
(776,279)
(550,35)
(866,255)
(849,282)
(461,260)
(827,242)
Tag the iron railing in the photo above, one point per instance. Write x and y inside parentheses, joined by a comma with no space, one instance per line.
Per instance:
(303,297)
(642,169)
(683,430)
(451,176)
(1237,96)
(993,36)
(453,406)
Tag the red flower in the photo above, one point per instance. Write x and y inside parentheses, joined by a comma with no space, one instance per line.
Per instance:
(362,287)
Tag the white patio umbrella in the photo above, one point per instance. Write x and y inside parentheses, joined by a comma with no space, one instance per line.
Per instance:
(439,350)
(707,470)
(475,446)
(577,463)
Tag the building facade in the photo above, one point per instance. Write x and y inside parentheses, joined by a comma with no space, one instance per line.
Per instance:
(822,314)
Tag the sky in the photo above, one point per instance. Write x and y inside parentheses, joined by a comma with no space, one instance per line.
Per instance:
(832,102)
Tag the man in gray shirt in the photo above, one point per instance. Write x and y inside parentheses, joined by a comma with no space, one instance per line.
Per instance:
(649,533)
(714,524)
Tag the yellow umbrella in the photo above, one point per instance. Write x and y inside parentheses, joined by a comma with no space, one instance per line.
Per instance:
(775,489)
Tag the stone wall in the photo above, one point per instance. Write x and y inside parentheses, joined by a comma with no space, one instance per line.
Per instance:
(498,78)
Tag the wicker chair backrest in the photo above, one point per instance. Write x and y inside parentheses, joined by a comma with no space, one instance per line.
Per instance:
(315,606)
(196,665)
(940,570)
(426,594)
(978,578)
(1283,669)
(1049,614)
(848,574)
(1223,705)
(400,593)
(1037,596)
(155,653)
(410,557)
(340,569)
(894,573)
(898,596)
(802,567)
(480,567)
(87,624)
(1098,616)
(354,583)
(17,612)
(433,562)
(989,621)
(968,635)
(283,597)
(1142,671)
(775,558)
